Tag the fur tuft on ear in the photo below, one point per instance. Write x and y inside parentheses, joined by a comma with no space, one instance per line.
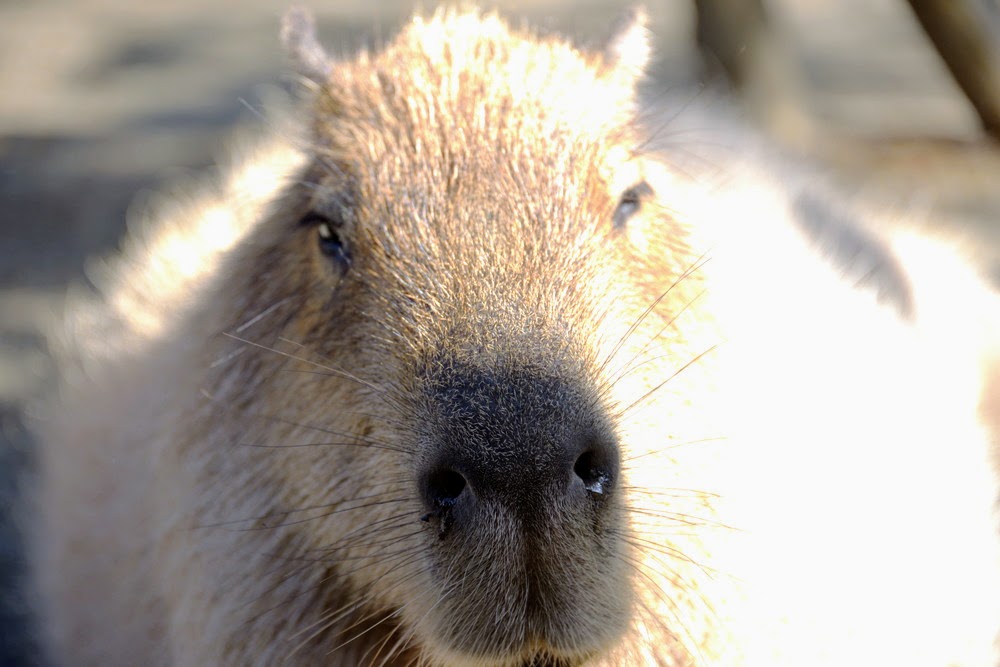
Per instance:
(298,35)
(628,50)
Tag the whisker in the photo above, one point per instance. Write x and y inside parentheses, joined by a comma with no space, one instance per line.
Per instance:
(407,635)
(695,266)
(680,370)
(352,538)
(628,368)
(362,439)
(227,358)
(333,371)
(674,445)
(327,624)
(668,603)
(648,546)
(309,508)
(300,445)
(257,318)
(679,517)
(291,575)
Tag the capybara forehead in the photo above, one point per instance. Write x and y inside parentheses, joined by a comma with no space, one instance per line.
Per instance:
(469,90)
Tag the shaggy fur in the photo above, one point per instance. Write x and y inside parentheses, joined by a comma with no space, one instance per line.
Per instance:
(474,243)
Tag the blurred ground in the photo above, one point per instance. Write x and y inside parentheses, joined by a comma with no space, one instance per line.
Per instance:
(104,100)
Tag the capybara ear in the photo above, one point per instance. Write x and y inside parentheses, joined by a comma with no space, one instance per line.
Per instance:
(298,35)
(627,51)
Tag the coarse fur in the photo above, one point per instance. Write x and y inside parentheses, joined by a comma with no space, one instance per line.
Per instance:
(468,249)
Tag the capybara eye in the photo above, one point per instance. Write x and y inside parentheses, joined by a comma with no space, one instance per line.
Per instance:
(630,202)
(330,243)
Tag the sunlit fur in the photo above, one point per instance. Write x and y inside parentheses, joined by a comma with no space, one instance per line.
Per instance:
(229,466)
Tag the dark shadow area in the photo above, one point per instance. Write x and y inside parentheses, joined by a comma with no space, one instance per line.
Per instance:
(19,645)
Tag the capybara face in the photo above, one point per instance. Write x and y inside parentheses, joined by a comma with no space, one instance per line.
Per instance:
(456,309)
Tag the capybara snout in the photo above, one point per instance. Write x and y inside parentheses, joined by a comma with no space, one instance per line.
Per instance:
(518,468)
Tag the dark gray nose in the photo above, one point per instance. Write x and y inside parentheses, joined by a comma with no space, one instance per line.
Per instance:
(535,443)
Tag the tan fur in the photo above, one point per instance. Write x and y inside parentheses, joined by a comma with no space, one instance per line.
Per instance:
(229,467)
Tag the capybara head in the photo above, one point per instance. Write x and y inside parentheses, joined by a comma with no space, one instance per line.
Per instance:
(444,336)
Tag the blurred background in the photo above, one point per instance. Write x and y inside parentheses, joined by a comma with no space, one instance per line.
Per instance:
(102,102)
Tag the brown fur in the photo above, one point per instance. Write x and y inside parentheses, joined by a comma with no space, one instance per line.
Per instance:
(231,466)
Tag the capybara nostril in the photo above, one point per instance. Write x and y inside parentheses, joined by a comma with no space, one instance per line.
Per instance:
(596,467)
(443,488)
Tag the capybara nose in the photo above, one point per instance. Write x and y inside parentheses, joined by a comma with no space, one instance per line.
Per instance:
(464,473)
(516,438)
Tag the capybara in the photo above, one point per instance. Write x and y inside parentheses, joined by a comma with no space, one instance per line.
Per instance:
(469,362)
